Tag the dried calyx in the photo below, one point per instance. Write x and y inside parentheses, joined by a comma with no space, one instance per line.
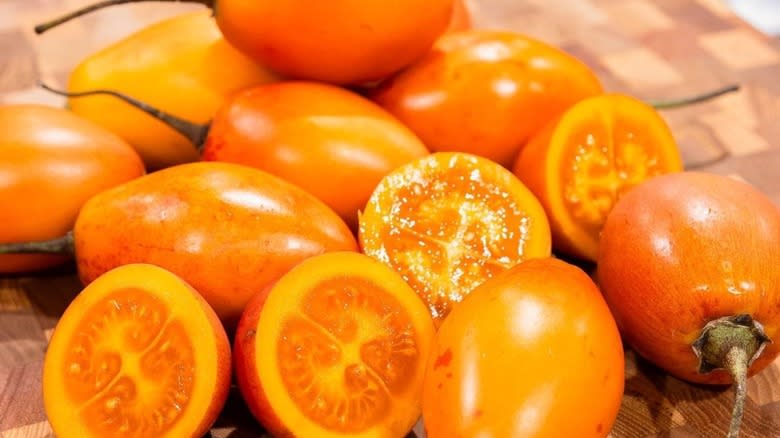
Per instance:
(732,344)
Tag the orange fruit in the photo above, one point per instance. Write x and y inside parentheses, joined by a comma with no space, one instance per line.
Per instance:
(336,348)
(138,353)
(587,158)
(502,364)
(449,221)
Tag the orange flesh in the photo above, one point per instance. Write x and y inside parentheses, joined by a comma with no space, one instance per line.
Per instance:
(142,391)
(449,224)
(604,159)
(340,346)
(123,359)
(581,164)
(346,354)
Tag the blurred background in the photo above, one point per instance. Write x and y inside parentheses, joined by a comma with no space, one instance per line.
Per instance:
(763,14)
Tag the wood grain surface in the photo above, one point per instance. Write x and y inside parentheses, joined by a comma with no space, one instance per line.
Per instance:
(651,49)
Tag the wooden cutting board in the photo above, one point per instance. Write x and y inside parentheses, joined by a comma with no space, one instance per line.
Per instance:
(652,49)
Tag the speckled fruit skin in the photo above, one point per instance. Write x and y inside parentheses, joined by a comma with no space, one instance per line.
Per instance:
(227,229)
(683,249)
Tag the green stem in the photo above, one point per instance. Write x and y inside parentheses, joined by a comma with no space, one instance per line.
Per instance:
(736,363)
(43,27)
(732,344)
(194,132)
(62,245)
(690,100)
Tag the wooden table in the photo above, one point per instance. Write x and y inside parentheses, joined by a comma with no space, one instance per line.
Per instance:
(652,49)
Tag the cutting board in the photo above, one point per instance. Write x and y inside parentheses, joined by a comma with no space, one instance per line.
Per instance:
(651,49)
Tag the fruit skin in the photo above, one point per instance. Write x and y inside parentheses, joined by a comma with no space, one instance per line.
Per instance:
(333,143)
(227,229)
(340,41)
(247,360)
(686,248)
(169,287)
(51,162)
(485,92)
(545,163)
(181,65)
(534,343)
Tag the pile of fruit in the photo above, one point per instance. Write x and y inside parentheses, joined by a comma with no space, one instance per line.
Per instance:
(364,213)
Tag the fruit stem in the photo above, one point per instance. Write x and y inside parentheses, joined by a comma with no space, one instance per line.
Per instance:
(43,27)
(194,132)
(732,344)
(690,100)
(736,363)
(61,245)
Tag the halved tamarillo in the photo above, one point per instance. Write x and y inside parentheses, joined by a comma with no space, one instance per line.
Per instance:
(333,143)
(448,222)
(336,348)
(688,264)
(51,163)
(138,353)
(228,230)
(336,41)
(580,163)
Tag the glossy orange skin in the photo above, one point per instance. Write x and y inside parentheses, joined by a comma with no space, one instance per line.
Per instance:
(533,353)
(51,162)
(686,248)
(486,92)
(331,142)
(228,230)
(245,361)
(338,41)
(181,65)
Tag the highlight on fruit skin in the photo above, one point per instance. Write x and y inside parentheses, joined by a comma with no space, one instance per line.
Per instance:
(137,353)
(228,230)
(187,69)
(536,342)
(449,221)
(485,92)
(51,163)
(688,264)
(337,348)
(329,141)
(317,40)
